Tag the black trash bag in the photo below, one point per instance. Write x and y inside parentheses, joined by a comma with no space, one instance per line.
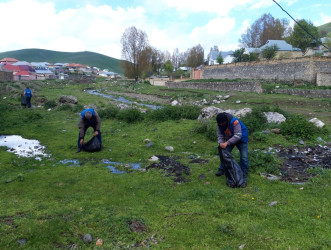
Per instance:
(92,145)
(233,172)
(23,100)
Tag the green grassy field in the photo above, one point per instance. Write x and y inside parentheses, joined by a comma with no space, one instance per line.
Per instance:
(51,205)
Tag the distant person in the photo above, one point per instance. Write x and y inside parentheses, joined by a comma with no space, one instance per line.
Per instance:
(88,118)
(232,132)
(28,95)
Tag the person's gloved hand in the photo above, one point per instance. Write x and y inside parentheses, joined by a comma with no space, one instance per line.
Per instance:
(96,133)
(81,141)
(224,145)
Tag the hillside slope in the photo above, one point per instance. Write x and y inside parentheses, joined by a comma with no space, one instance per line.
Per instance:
(85,57)
(325,27)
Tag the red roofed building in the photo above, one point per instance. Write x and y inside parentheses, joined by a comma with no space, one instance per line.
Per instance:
(12,68)
(24,75)
(8,60)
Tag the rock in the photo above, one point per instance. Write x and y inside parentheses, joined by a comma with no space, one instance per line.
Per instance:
(273,203)
(274,117)
(226,97)
(240,113)
(169,148)
(209,112)
(238,101)
(202,176)
(122,106)
(174,103)
(242,246)
(146,140)
(277,87)
(318,123)
(216,102)
(22,241)
(68,99)
(269,176)
(154,158)
(150,144)
(87,238)
(275,130)
(302,142)
(219,97)
(267,131)
(99,242)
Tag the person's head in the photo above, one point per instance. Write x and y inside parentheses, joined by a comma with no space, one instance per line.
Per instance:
(88,115)
(223,119)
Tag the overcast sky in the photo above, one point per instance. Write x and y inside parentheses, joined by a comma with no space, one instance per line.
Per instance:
(97,25)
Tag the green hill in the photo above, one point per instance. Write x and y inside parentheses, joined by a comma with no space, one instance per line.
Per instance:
(87,58)
(325,27)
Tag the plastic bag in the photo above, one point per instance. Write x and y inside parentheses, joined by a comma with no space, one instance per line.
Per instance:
(92,145)
(233,172)
(23,100)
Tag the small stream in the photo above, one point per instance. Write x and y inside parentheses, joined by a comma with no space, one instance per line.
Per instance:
(121,99)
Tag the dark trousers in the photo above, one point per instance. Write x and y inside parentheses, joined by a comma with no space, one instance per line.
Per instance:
(98,136)
(243,150)
(28,102)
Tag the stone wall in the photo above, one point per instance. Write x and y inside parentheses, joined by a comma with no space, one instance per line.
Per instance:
(306,92)
(323,79)
(244,86)
(305,69)
(6,76)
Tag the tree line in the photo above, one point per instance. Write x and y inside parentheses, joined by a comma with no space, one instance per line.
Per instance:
(142,60)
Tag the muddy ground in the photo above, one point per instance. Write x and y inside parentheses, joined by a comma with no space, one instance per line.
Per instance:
(299,164)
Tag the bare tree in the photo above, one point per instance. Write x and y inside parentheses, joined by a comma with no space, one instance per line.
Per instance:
(263,29)
(134,44)
(195,56)
(175,60)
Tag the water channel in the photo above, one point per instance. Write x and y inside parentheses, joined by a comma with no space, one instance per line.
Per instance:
(122,99)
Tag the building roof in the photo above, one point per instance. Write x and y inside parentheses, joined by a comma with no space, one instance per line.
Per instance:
(20,63)
(214,54)
(43,71)
(8,59)
(22,73)
(12,67)
(281,44)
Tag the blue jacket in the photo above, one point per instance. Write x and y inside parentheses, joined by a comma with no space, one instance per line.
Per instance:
(233,134)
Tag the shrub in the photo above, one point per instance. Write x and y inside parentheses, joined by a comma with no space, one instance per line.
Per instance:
(109,112)
(78,108)
(50,104)
(174,113)
(208,128)
(296,126)
(65,107)
(262,162)
(255,121)
(130,115)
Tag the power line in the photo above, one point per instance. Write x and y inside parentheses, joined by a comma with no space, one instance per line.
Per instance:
(302,27)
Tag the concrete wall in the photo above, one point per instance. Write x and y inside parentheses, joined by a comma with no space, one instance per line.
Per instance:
(304,69)
(243,86)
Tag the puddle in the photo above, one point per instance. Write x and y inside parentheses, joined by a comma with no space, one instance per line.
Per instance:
(122,99)
(114,170)
(70,163)
(23,147)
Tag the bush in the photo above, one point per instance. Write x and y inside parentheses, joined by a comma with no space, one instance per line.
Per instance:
(262,162)
(208,128)
(255,121)
(130,115)
(174,113)
(65,107)
(297,127)
(78,108)
(109,112)
(50,104)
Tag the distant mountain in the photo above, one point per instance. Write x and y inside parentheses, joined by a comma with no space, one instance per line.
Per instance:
(87,58)
(325,27)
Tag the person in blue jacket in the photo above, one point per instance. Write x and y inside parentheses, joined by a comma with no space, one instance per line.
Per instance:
(232,132)
(28,95)
(88,118)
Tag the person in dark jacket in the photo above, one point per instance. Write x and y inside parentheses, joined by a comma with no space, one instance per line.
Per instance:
(88,118)
(232,132)
(28,95)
